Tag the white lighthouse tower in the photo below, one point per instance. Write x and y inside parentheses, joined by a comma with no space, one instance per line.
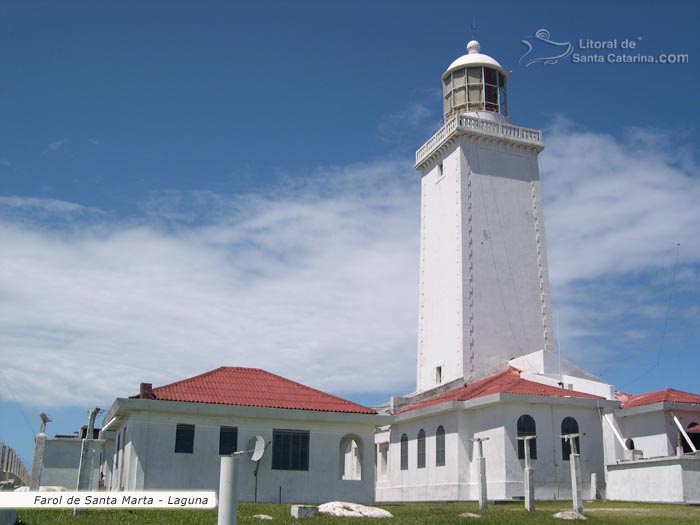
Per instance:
(484,285)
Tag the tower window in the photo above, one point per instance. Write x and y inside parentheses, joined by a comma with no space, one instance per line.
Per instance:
(438,374)
(440,171)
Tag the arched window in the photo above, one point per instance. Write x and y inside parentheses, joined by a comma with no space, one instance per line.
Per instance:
(421,449)
(440,446)
(693,430)
(526,427)
(630,443)
(569,426)
(404,452)
(350,458)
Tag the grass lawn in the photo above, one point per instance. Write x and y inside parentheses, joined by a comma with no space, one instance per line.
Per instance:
(414,513)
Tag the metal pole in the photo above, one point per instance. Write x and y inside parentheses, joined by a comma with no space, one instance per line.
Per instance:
(228,490)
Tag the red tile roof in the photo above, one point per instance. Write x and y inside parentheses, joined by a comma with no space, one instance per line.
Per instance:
(255,388)
(505,382)
(668,395)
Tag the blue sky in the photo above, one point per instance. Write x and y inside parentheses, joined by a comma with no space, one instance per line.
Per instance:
(187,185)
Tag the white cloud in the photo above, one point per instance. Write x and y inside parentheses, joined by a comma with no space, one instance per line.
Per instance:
(55,146)
(615,207)
(316,283)
(317,280)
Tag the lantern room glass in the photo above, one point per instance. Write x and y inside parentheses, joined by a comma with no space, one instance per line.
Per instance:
(475,88)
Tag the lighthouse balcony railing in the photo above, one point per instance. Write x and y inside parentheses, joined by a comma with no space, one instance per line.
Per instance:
(479,126)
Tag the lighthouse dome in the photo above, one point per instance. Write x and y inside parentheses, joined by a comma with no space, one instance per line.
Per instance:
(474,58)
(475,83)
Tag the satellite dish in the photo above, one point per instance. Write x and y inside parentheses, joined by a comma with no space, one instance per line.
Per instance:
(257,446)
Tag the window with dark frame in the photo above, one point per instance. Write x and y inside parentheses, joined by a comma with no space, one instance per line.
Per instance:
(527,427)
(440,446)
(119,444)
(290,449)
(404,452)
(184,439)
(569,426)
(228,440)
(421,449)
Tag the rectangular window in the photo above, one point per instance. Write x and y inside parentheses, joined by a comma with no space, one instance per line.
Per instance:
(119,445)
(290,449)
(228,440)
(184,439)
(438,369)
(404,452)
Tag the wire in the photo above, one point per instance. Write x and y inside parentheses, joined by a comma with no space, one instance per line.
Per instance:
(493,257)
(31,430)
(665,328)
(668,305)
(510,268)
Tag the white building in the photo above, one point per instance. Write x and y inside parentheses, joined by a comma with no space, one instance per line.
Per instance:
(172,437)
(486,369)
(484,286)
(651,447)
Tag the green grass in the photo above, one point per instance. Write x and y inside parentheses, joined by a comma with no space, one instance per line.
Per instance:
(413,513)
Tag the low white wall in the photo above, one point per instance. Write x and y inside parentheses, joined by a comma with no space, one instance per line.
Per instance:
(664,480)
(60,463)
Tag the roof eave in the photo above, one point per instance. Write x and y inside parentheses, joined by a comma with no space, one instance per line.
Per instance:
(129,406)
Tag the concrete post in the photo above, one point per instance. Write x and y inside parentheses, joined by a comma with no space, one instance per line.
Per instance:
(594,486)
(86,462)
(574,462)
(87,458)
(528,475)
(228,490)
(481,471)
(39,445)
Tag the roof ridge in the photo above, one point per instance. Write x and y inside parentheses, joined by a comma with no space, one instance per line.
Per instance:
(188,379)
(311,388)
(244,386)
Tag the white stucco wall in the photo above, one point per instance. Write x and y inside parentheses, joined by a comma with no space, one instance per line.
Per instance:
(61,461)
(497,421)
(441,301)
(149,461)
(484,285)
(432,483)
(664,480)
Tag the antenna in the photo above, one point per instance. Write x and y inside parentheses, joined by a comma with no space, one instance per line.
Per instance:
(258,444)
(256,449)
(561,382)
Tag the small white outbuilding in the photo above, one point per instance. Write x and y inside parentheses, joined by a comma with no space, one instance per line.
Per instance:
(320,447)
